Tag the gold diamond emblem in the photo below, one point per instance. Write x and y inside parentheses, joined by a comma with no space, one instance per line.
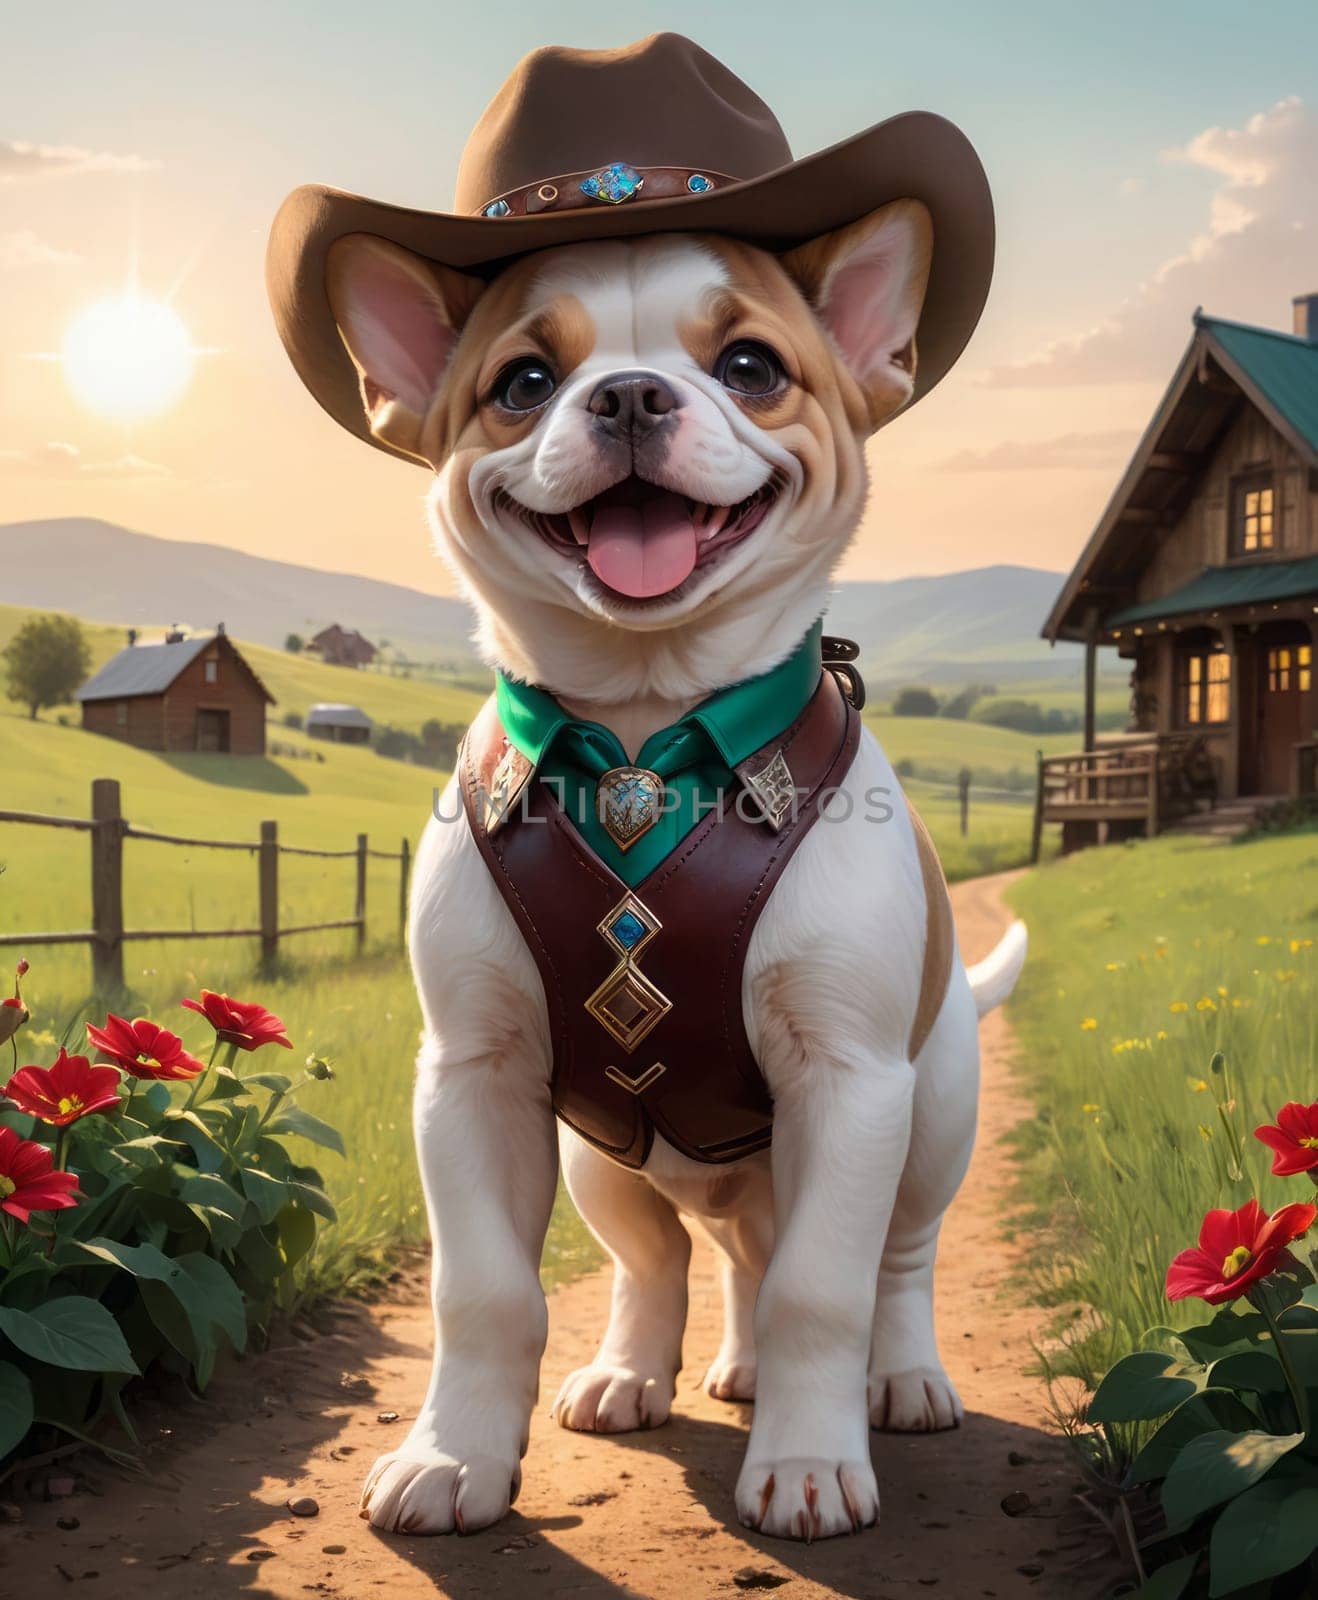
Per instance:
(629,927)
(629,803)
(628,1005)
(774,789)
(641,1082)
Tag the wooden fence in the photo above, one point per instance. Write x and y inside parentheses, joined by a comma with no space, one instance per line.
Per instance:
(107,935)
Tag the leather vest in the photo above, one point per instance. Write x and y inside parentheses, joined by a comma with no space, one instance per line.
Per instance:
(643,985)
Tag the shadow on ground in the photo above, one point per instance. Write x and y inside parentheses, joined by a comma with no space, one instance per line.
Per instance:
(258,773)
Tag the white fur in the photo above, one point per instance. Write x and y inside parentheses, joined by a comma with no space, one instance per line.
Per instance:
(829,1238)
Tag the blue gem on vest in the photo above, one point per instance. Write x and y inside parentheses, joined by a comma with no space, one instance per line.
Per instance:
(613,184)
(628,929)
(497,208)
(698,183)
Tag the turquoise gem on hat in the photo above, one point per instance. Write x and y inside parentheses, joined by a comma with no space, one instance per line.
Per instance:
(497,208)
(613,184)
(698,183)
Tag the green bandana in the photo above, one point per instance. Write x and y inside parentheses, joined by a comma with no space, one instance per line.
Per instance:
(694,757)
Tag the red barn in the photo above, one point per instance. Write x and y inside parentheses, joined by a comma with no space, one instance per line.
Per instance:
(184,694)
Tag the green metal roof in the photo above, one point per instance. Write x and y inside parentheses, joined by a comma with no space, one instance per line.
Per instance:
(1281,366)
(1216,588)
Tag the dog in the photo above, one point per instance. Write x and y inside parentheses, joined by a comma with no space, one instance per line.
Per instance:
(650,460)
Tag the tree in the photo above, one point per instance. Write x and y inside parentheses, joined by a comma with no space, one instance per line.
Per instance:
(959,706)
(915,702)
(45,662)
(293,644)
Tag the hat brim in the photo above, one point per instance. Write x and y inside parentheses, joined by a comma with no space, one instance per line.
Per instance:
(915,155)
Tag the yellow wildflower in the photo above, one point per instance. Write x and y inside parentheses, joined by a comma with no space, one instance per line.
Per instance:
(1115,966)
(1161,1033)
(1179,1005)
(1089,1024)
(1205,1003)
(1198,1085)
(1223,990)
(1263,938)
(1089,1107)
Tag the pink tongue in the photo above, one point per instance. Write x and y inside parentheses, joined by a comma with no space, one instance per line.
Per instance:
(643,551)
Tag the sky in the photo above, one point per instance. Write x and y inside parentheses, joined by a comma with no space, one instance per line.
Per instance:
(1146,158)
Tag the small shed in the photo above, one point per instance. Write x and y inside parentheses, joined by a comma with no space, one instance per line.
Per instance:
(183,694)
(341,724)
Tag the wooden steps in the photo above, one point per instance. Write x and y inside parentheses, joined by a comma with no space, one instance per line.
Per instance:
(1228,819)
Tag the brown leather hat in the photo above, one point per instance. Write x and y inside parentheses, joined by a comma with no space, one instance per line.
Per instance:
(654,137)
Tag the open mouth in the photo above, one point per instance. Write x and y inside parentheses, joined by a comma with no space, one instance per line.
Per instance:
(644,542)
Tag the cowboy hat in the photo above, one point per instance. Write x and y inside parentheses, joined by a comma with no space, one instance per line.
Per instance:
(653,137)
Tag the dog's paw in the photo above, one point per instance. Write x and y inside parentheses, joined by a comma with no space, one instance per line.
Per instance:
(807,1499)
(601,1399)
(731,1378)
(919,1401)
(416,1490)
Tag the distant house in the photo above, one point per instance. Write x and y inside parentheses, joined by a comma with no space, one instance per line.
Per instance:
(343,647)
(179,695)
(342,724)
(1203,575)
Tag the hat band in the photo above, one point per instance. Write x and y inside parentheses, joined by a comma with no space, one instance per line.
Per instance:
(610,185)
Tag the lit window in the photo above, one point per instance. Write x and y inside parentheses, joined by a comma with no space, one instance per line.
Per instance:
(1255,517)
(1304,667)
(1290,667)
(1205,687)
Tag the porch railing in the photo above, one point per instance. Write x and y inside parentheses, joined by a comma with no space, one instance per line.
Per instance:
(1113,784)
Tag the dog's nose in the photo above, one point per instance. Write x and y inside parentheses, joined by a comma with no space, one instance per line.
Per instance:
(632,402)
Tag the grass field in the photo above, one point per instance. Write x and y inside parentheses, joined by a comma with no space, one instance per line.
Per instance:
(1145,960)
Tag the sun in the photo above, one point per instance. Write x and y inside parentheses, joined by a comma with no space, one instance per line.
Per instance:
(128,357)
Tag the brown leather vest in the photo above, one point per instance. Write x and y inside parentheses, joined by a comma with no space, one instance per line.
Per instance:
(643,986)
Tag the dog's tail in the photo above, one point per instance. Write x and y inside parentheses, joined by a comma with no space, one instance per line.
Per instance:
(993,978)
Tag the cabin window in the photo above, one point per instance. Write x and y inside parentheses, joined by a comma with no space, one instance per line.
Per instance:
(1290,666)
(1205,687)
(121,714)
(212,670)
(1254,522)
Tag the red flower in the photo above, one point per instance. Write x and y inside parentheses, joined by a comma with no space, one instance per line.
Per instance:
(1293,1139)
(28,1180)
(72,1088)
(1236,1249)
(247,1025)
(144,1048)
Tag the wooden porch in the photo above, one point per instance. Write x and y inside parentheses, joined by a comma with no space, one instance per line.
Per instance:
(1142,784)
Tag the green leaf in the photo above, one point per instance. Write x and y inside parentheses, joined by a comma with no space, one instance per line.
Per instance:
(1142,1386)
(267,1194)
(1258,1371)
(276,1082)
(1168,1583)
(223,1301)
(15,1407)
(74,1332)
(314,1199)
(1268,1530)
(1209,1411)
(210,1190)
(199,1138)
(224,1085)
(1217,1467)
(294,1120)
(297,1232)
(1229,1333)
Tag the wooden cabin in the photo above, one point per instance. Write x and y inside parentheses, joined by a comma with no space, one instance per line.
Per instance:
(1203,575)
(339,723)
(184,694)
(343,647)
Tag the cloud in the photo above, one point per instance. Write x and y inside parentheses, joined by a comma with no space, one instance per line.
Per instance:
(21,160)
(1076,451)
(57,459)
(23,248)
(1255,251)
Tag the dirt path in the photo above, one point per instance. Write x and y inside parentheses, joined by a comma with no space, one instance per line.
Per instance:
(647,1515)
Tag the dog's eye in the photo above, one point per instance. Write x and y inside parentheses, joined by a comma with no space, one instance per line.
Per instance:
(524,385)
(749,368)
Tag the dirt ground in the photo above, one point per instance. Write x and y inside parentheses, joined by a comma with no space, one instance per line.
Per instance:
(647,1514)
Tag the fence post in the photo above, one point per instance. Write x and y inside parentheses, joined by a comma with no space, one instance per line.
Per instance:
(405,857)
(1036,832)
(360,912)
(107,887)
(268,876)
(963,789)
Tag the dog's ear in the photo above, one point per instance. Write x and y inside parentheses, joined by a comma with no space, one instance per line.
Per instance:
(400,318)
(866,283)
